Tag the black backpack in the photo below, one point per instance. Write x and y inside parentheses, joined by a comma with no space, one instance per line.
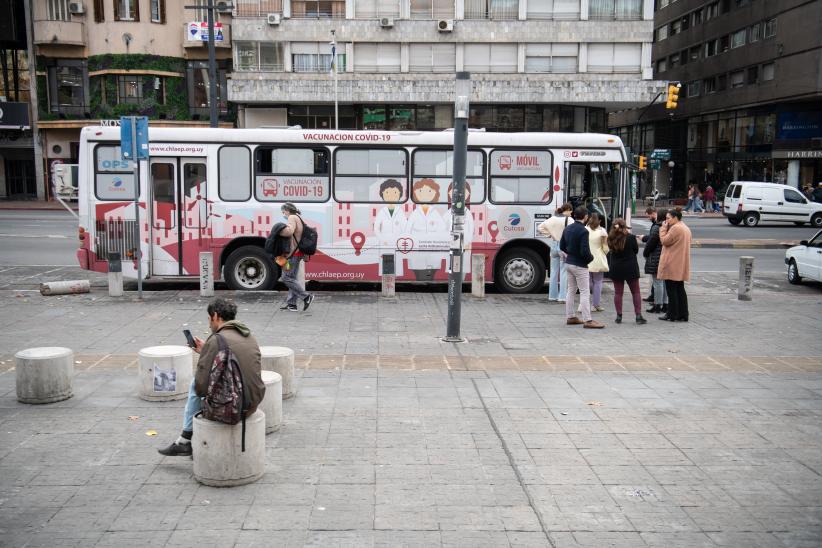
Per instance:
(308,242)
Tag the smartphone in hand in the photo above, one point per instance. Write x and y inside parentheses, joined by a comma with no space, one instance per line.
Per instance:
(189,338)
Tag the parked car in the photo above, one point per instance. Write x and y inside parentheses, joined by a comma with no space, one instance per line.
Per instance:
(754,202)
(805,260)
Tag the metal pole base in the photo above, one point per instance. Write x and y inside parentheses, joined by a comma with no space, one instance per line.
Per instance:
(453,339)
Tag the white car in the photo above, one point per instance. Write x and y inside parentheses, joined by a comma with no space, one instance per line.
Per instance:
(750,202)
(805,260)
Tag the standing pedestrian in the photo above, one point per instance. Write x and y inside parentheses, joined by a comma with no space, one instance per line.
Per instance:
(598,242)
(574,243)
(296,289)
(624,268)
(553,228)
(691,198)
(652,252)
(709,196)
(675,264)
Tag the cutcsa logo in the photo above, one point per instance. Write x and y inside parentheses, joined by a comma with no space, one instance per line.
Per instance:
(514,219)
(514,222)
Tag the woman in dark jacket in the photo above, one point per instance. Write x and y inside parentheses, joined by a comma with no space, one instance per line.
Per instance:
(624,267)
(652,252)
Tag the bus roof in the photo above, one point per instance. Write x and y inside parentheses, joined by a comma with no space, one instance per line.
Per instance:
(360,137)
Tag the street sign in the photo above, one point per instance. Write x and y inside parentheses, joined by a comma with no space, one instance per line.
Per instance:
(654,164)
(137,145)
(661,154)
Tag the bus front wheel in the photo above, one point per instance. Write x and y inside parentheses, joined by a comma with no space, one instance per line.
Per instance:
(519,270)
(249,268)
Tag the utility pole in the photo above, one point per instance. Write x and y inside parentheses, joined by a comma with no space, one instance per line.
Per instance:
(210,6)
(334,70)
(39,171)
(462,89)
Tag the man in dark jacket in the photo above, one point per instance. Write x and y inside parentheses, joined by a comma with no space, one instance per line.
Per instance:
(221,314)
(574,243)
(652,252)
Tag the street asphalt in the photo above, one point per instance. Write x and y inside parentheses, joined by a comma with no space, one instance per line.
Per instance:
(530,434)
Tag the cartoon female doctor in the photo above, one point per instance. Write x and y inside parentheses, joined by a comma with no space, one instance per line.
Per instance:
(390,223)
(468,228)
(425,226)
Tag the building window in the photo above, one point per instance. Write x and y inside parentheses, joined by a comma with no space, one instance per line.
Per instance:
(738,38)
(608,58)
(199,89)
(737,79)
(724,44)
(553,9)
(696,17)
(625,10)
(768,72)
(673,60)
(676,27)
(432,57)
(711,11)
(126,10)
(709,85)
(158,11)
(722,82)
(662,33)
(556,58)
(58,10)
(755,31)
(258,57)
(694,53)
(67,82)
(753,75)
(317,9)
(314,57)
(770,28)
(129,89)
(99,11)
(374,9)
(382,57)
(693,89)
(683,57)
(492,9)
(432,9)
(662,65)
(256,8)
(491,57)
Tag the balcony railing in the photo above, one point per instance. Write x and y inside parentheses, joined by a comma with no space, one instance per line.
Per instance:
(257,8)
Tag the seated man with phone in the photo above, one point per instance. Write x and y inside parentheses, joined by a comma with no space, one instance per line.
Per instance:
(221,319)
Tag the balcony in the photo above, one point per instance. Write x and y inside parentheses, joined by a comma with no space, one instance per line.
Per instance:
(59,33)
(198,37)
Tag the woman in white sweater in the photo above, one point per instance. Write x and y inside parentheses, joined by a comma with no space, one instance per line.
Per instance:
(598,242)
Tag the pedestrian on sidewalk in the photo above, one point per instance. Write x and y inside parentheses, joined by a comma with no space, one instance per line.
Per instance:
(574,243)
(222,315)
(624,267)
(710,196)
(553,228)
(652,253)
(598,242)
(291,268)
(675,264)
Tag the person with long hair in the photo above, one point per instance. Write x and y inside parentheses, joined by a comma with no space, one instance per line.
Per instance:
(552,228)
(290,270)
(624,267)
(675,264)
(598,242)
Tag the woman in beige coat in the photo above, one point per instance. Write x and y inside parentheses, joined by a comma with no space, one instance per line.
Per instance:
(675,265)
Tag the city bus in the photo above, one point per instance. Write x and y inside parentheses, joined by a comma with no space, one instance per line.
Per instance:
(371,195)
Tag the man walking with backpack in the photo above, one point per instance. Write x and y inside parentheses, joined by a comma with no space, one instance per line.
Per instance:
(243,346)
(294,230)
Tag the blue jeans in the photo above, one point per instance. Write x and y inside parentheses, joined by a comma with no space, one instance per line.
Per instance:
(295,289)
(660,297)
(558,283)
(193,405)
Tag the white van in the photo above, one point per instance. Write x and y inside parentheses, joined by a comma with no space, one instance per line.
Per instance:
(751,202)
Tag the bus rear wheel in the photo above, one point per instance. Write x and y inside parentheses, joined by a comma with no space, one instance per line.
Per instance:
(519,270)
(248,268)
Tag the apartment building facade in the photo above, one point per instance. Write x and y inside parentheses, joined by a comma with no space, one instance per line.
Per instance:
(536,65)
(98,60)
(751,98)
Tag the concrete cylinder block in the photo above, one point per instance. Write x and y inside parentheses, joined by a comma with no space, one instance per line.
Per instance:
(218,457)
(44,375)
(281,360)
(272,404)
(165,372)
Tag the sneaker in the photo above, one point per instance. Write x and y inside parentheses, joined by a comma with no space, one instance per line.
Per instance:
(640,320)
(550,300)
(307,302)
(561,301)
(598,309)
(292,308)
(285,306)
(176,450)
(573,321)
(591,324)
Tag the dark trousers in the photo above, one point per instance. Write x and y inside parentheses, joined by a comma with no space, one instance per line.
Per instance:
(677,300)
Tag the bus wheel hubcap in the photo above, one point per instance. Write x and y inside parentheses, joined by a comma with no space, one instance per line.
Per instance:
(250,273)
(519,272)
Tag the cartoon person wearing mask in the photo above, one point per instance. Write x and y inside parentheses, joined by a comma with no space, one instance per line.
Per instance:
(390,223)
(425,226)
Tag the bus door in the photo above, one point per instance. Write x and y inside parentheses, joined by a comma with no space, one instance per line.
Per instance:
(593,185)
(179,215)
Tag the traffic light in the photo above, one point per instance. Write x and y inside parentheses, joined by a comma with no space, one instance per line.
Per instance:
(673,96)
(642,162)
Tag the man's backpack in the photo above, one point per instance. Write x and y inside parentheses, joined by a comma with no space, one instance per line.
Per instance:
(308,242)
(225,398)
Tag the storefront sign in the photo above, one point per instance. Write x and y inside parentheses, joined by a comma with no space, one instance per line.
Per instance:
(799,125)
(797,154)
(14,116)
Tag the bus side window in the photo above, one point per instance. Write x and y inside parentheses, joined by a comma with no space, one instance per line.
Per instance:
(291,174)
(521,176)
(437,165)
(359,173)
(235,174)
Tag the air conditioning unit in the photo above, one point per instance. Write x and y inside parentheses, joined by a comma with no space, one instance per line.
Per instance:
(386,22)
(274,18)
(223,7)
(445,25)
(76,7)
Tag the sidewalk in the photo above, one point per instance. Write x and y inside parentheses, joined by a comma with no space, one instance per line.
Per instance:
(34,205)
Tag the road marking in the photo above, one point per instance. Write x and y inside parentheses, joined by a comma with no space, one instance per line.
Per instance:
(56,236)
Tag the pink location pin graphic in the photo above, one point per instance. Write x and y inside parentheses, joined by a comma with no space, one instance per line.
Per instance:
(357,240)
(493,231)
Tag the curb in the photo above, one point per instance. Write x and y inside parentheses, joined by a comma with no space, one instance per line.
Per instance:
(742,244)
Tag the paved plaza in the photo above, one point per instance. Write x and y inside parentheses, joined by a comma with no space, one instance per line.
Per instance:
(531,434)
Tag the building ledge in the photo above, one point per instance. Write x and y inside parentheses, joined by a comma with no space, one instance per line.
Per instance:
(77,124)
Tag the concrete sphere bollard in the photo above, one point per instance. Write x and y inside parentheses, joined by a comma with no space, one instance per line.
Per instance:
(272,404)
(165,372)
(44,375)
(218,457)
(281,360)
